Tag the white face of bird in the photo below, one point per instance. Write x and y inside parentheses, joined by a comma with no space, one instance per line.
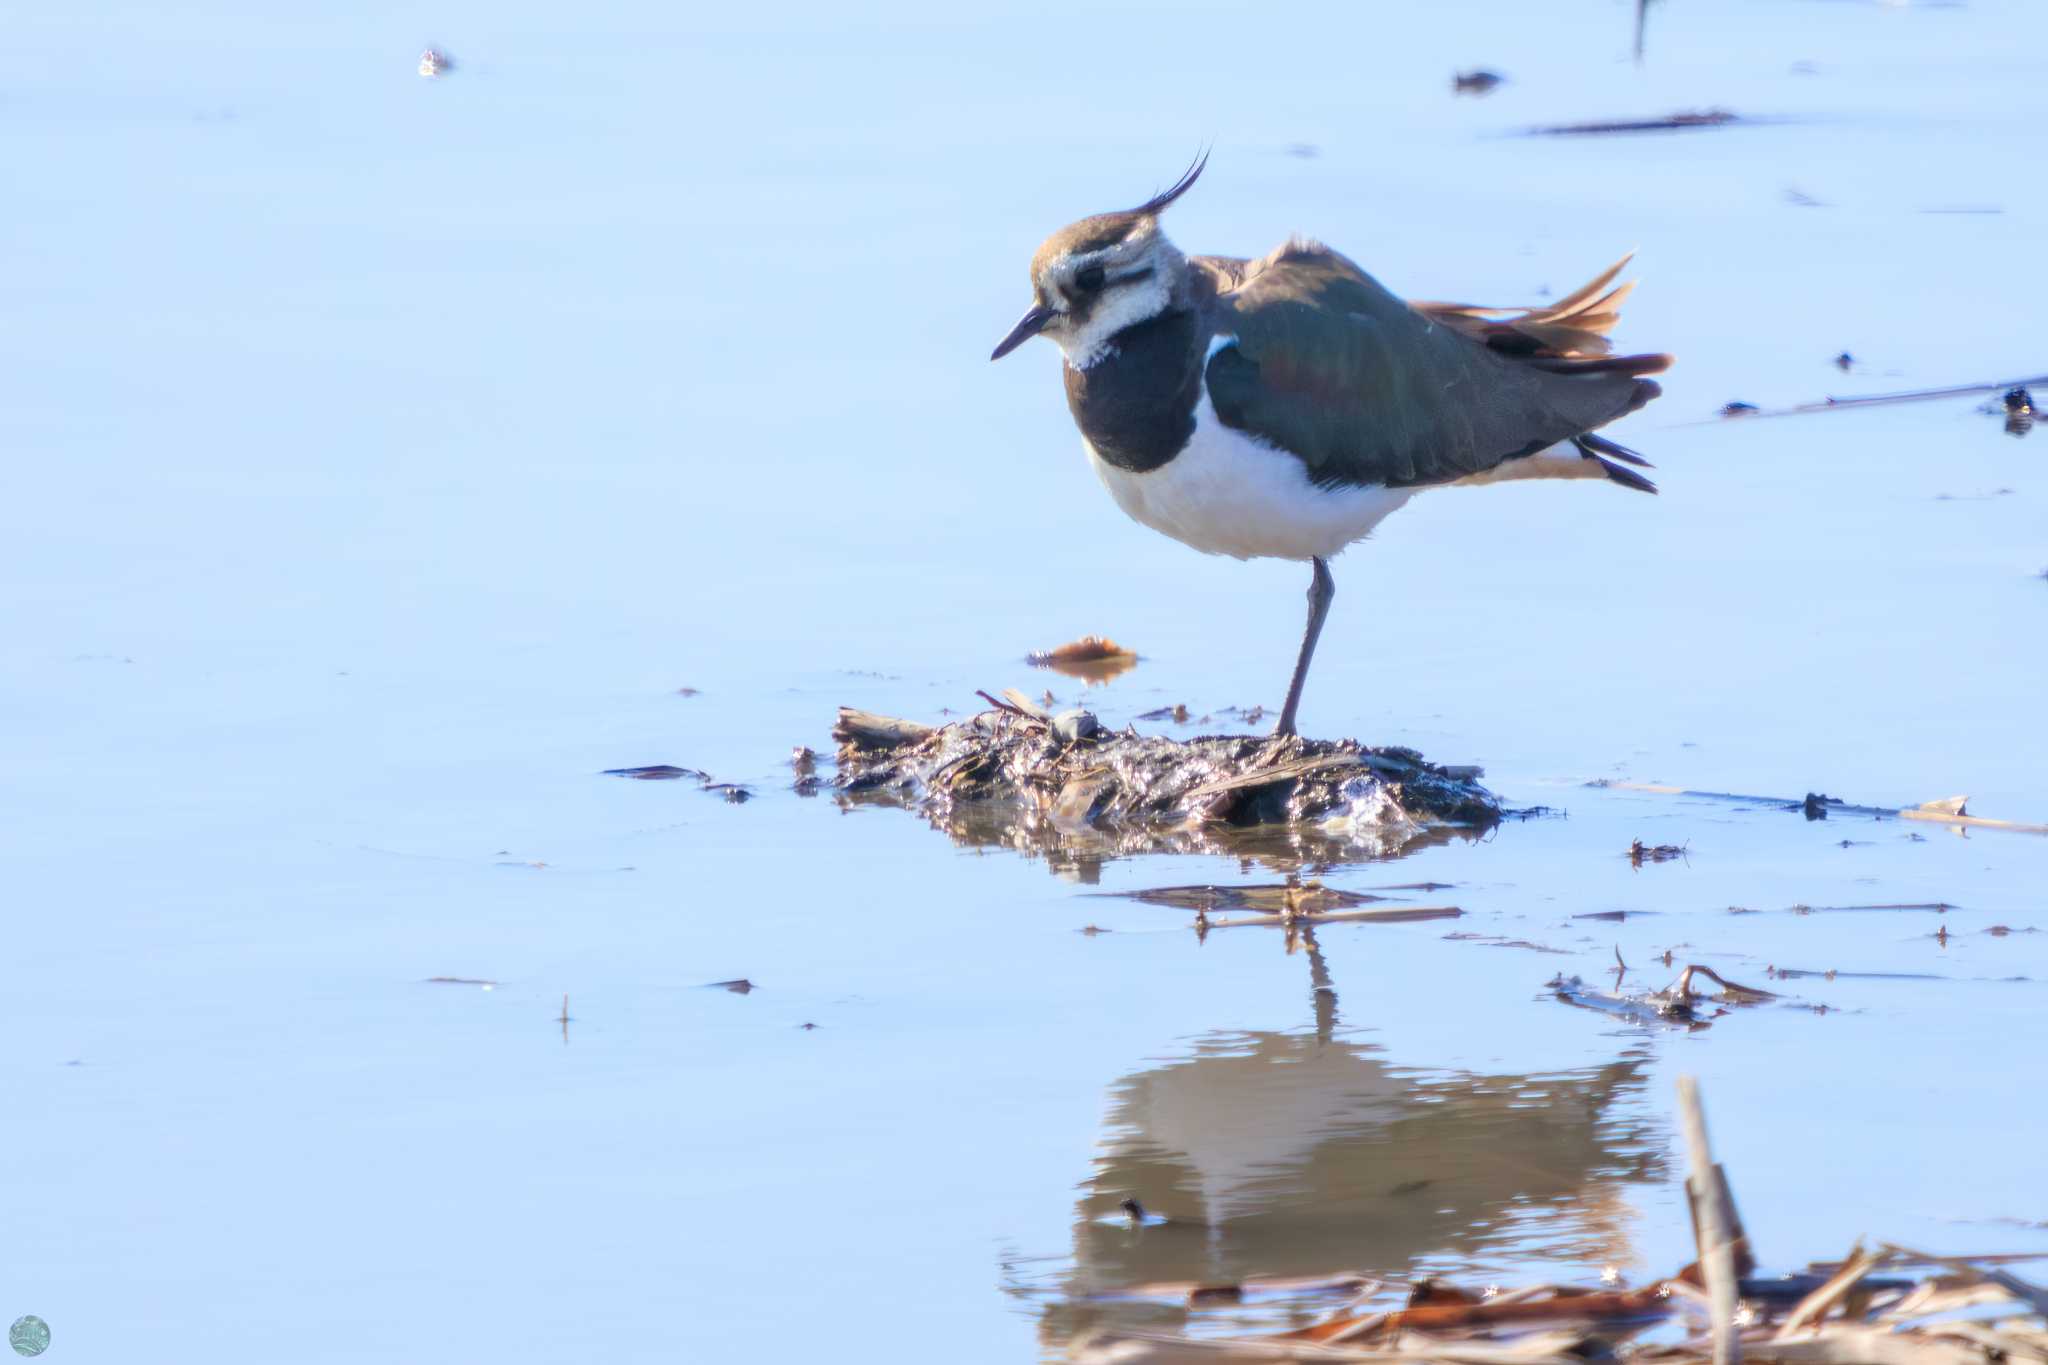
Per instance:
(1093,279)
(1096,293)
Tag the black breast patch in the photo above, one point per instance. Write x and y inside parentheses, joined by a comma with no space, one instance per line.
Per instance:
(1136,405)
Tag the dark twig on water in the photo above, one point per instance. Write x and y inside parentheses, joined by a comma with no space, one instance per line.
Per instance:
(1872,400)
(1951,810)
(1685,121)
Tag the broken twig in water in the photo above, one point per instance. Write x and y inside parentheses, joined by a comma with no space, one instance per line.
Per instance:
(1714,1231)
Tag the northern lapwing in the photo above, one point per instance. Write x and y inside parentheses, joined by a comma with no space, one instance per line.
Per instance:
(1283,407)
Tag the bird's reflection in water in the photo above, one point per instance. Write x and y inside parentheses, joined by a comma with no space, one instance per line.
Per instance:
(1304,1153)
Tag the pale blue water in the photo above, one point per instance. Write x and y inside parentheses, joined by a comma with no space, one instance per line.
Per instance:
(384,454)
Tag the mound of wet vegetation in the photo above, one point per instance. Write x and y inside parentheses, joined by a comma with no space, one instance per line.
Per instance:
(1019,775)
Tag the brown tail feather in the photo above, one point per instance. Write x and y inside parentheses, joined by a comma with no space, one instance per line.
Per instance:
(1568,336)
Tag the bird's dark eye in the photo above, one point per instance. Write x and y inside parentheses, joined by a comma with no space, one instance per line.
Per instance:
(1089,280)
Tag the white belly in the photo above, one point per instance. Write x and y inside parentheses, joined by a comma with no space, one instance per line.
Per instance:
(1232,494)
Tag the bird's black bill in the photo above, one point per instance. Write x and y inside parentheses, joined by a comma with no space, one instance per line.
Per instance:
(1028,326)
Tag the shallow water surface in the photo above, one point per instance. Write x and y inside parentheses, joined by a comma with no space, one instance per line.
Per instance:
(391,455)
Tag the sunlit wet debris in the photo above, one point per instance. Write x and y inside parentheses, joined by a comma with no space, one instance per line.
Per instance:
(1476,82)
(434,62)
(1677,1004)
(1029,778)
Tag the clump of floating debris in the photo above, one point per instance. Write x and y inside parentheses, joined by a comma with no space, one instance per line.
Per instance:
(1020,775)
(1859,1310)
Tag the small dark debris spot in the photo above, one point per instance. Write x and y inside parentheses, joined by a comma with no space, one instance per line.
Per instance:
(733,792)
(460,981)
(803,758)
(1092,930)
(738,986)
(1844,361)
(1411,1186)
(1133,1210)
(807,1026)
(1476,82)
(1640,852)
(810,784)
(688,692)
(1305,151)
(1215,1293)
(2019,411)
(1815,806)
(1737,409)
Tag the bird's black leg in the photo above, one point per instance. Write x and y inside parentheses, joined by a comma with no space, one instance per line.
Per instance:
(1321,589)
